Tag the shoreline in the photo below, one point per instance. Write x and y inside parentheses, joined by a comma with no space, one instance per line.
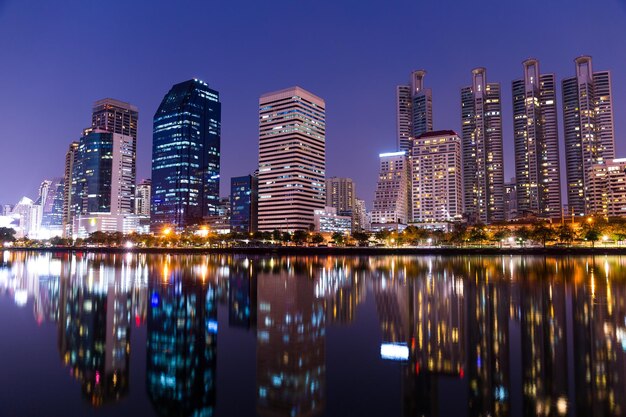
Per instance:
(331,251)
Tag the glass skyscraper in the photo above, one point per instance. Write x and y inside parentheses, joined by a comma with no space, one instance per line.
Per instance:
(244,195)
(186,156)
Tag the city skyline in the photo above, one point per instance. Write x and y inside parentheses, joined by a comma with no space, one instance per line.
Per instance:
(345,100)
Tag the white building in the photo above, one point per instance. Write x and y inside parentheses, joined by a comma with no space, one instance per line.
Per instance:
(391,200)
(328,221)
(292,159)
(142,197)
(436,177)
(606,193)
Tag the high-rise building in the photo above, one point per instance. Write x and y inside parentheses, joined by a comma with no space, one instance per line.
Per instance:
(244,200)
(115,116)
(536,141)
(588,128)
(186,156)
(414,110)
(360,221)
(292,159)
(52,209)
(607,188)
(391,201)
(510,200)
(142,197)
(483,170)
(436,177)
(103,185)
(341,194)
(70,159)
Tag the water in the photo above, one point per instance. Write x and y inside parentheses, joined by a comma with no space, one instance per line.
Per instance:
(146,335)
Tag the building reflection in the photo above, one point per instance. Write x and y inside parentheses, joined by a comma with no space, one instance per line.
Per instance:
(94,319)
(502,335)
(182,343)
(291,326)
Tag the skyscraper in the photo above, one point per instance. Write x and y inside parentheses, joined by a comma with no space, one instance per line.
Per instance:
(436,177)
(70,158)
(341,195)
(414,110)
(142,197)
(483,170)
(244,200)
(391,201)
(115,116)
(292,159)
(52,208)
(588,128)
(103,184)
(536,141)
(186,156)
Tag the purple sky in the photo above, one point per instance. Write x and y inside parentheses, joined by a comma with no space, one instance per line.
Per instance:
(57,58)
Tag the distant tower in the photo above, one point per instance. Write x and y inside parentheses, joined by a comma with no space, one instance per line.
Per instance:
(186,156)
(483,170)
(292,159)
(391,201)
(588,128)
(70,159)
(536,141)
(414,110)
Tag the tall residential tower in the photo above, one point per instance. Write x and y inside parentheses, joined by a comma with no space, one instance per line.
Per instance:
(483,171)
(292,159)
(536,141)
(588,128)
(414,110)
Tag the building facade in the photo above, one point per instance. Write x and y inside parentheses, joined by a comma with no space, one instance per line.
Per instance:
(436,177)
(142,197)
(292,159)
(414,110)
(244,200)
(103,185)
(607,188)
(483,160)
(536,140)
(588,129)
(70,159)
(186,156)
(329,220)
(391,200)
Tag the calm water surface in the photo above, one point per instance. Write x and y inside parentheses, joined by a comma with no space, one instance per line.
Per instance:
(157,335)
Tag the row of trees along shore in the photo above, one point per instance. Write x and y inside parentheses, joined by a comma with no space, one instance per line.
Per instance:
(585,233)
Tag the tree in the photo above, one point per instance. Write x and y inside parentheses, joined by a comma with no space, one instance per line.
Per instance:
(592,235)
(300,236)
(542,232)
(459,234)
(338,238)
(501,234)
(382,235)
(317,238)
(7,234)
(361,237)
(285,237)
(276,235)
(565,234)
(478,233)
(522,234)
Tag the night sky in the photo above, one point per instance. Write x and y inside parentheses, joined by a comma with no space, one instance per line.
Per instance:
(57,58)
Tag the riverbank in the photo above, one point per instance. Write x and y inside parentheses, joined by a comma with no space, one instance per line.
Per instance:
(349,251)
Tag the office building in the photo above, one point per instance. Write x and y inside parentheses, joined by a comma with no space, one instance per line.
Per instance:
(142,198)
(436,177)
(186,156)
(483,170)
(414,110)
(115,116)
(391,200)
(51,202)
(340,194)
(607,188)
(536,141)
(103,185)
(292,159)
(329,221)
(510,200)
(360,220)
(244,200)
(588,129)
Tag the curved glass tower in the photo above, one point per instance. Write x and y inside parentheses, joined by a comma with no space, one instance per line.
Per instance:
(185,156)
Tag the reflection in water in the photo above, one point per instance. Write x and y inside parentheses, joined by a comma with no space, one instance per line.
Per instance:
(504,335)
(182,344)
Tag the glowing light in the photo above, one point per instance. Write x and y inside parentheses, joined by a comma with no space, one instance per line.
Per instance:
(129,245)
(394,351)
